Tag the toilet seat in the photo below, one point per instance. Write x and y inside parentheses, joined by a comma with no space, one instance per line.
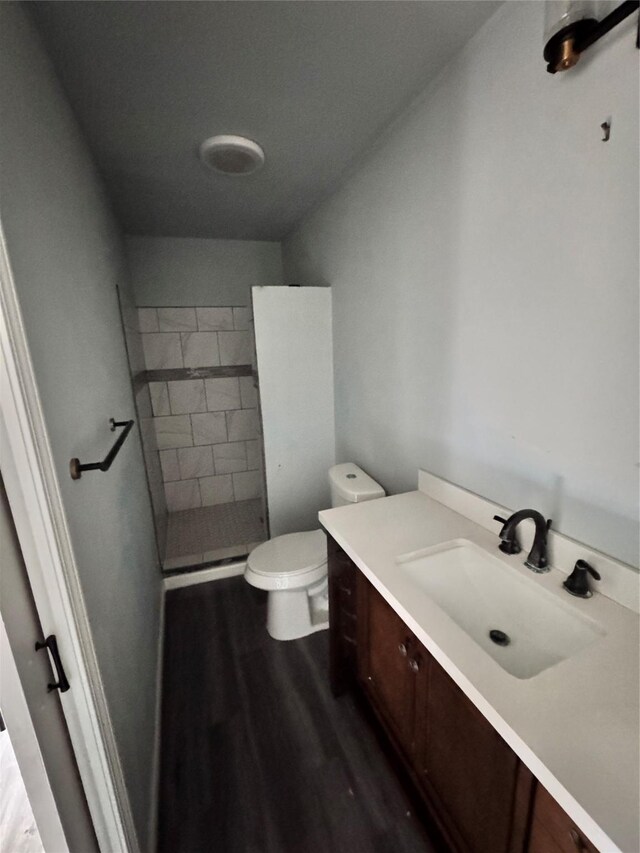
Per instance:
(291,561)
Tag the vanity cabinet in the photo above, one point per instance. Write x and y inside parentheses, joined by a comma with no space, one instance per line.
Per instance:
(471,779)
(481,796)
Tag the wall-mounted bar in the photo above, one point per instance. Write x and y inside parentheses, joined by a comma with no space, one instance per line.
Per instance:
(75,466)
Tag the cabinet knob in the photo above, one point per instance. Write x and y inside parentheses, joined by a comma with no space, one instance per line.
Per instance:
(402,648)
(576,838)
(414,665)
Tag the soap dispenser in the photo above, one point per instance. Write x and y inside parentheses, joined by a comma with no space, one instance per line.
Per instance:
(578,581)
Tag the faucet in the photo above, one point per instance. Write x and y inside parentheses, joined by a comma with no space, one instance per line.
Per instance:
(537,559)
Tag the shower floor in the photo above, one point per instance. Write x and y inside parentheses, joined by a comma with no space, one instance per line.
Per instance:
(210,533)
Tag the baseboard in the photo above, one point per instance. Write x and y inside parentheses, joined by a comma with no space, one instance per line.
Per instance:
(213,573)
(155,771)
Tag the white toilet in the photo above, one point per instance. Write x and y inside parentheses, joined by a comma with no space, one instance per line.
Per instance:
(293,567)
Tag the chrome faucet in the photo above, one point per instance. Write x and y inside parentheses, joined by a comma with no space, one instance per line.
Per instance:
(537,559)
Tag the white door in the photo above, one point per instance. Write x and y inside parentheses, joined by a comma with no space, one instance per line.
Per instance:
(34,716)
(295,374)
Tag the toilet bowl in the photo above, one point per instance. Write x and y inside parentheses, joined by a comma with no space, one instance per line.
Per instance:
(293,567)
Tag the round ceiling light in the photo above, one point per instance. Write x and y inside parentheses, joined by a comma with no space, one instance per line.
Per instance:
(232,155)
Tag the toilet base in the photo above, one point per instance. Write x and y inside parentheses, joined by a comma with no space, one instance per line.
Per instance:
(292,614)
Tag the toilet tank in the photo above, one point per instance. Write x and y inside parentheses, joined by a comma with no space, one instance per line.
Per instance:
(349,485)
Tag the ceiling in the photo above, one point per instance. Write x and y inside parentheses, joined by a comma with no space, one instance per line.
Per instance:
(313,82)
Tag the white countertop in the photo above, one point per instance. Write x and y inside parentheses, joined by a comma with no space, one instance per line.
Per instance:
(575,725)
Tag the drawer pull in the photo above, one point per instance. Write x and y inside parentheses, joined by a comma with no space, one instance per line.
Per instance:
(402,648)
(345,590)
(414,665)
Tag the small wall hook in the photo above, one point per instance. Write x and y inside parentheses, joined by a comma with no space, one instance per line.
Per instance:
(606,130)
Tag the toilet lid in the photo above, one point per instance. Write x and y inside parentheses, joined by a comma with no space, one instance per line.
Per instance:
(291,554)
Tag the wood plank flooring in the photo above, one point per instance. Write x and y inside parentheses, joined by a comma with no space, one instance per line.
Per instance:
(257,755)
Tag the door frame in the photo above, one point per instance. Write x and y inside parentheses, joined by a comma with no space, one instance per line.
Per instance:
(36,505)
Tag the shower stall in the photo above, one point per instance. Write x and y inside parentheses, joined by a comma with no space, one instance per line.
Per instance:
(197,396)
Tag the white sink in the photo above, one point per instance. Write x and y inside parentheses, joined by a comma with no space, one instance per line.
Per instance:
(481,593)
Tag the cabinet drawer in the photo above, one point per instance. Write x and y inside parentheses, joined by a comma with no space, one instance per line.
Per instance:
(342,618)
(552,830)
(346,584)
(348,619)
(344,575)
(336,555)
(342,558)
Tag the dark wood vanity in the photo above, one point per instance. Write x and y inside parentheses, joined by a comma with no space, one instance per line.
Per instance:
(482,798)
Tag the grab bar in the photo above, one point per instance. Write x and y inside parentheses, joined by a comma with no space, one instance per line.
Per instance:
(76,468)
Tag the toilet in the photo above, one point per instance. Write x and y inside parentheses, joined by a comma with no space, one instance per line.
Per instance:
(293,568)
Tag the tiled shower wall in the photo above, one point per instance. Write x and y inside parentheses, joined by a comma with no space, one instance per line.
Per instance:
(206,424)
(135,354)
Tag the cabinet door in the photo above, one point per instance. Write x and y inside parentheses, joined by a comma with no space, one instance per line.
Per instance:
(552,830)
(389,662)
(469,771)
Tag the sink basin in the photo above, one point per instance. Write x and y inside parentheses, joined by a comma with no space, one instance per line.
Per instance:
(522,626)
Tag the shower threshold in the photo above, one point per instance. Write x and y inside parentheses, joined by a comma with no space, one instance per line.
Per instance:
(208,534)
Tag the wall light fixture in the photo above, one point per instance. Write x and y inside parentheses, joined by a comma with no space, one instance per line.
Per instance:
(571,26)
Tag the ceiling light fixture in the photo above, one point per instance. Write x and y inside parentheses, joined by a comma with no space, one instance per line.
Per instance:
(232,155)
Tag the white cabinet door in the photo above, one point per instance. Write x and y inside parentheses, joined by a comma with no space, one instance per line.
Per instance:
(295,373)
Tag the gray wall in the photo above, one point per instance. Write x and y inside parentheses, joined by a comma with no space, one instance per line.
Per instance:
(67,262)
(176,271)
(484,266)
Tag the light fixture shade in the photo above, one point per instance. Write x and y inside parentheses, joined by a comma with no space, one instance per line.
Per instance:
(566,23)
(232,155)
(560,14)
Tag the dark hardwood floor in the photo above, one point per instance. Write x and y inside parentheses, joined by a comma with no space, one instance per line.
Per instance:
(257,755)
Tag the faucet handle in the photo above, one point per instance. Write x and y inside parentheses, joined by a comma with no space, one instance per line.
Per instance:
(509,543)
(582,564)
(577,583)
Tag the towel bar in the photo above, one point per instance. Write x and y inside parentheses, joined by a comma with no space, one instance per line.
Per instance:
(75,466)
